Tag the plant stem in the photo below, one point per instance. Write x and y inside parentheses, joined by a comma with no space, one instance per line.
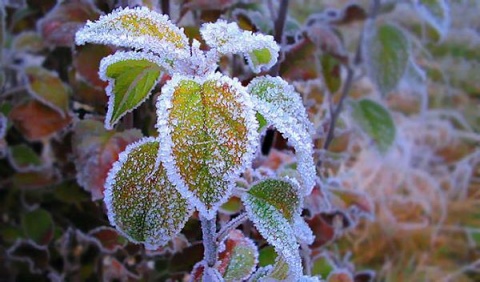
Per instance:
(166,7)
(209,243)
(349,80)
(278,36)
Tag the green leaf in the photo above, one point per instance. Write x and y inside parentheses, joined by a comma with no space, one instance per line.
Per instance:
(376,121)
(131,77)
(137,28)
(38,226)
(23,158)
(283,108)
(141,202)
(239,258)
(436,13)
(331,73)
(387,52)
(267,256)
(272,205)
(47,87)
(322,265)
(208,133)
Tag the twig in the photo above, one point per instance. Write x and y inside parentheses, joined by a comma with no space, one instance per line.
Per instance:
(232,224)
(349,81)
(278,36)
(166,7)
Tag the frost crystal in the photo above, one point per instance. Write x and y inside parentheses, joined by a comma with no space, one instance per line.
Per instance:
(282,107)
(208,133)
(137,28)
(144,206)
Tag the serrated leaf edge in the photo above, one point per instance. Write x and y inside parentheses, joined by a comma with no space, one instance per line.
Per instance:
(165,154)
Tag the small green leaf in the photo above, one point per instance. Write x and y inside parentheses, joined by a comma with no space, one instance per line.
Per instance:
(331,72)
(267,256)
(272,205)
(208,131)
(141,202)
(387,52)
(436,13)
(131,77)
(23,158)
(47,87)
(322,266)
(38,226)
(282,107)
(376,121)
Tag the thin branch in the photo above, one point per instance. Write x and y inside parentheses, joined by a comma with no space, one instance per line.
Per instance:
(166,7)
(279,27)
(232,224)
(350,74)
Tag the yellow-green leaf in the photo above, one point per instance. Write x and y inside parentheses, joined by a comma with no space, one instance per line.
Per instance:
(47,87)
(142,204)
(208,133)
(138,28)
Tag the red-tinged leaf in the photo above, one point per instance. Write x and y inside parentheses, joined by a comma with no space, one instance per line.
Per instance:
(95,150)
(36,257)
(86,61)
(301,61)
(85,93)
(36,121)
(108,238)
(38,226)
(239,258)
(355,200)
(326,226)
(114,270)
(208,133)
(46,87)
(197,273)
(141,203)
(59,26)
(327,40)
(352,13)
(340,275)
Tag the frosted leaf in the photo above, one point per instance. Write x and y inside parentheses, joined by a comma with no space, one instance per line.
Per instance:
(48,88)
(137,28)
(436,13)
(340,275)
(261,51)
(131,77)
(376,121)
(141,203)
(282,107)
(239,258)
(302,231)
(272,205)
(386,52)
(208,133)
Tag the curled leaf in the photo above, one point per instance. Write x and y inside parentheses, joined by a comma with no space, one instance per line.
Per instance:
(272,205)
(131,77)
(137,28)
(208,133)
(261,51)
(283,108)
(239,258)
(142,204)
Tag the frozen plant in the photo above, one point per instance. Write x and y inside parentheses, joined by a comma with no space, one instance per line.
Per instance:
(208,134)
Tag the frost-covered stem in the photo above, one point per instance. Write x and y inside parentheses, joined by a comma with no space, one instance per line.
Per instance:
(232,224)
(306,254)
(349,80)
(279,27)
(209,243)
(166,7)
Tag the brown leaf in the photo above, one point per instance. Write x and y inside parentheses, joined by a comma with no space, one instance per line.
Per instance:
(86,61)
(37,121)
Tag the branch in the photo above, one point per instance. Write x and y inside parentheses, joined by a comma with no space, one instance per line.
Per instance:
(166,7)
(209,243)
(278,36)
(350,73)
(232,224)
